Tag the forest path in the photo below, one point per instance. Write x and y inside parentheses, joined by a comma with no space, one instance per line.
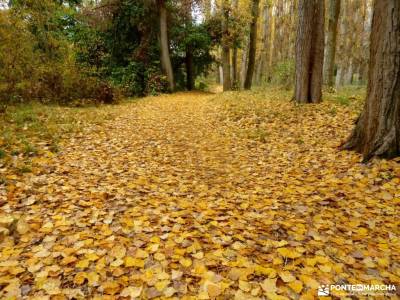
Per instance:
(169,199)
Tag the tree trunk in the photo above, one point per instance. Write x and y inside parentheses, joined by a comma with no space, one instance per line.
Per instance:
(225,57)
(348,76)
(309,51)
(262,60)
(334,11)
(189,68)
(377,131)
(338,76)
(271,42)
(190,77)
(234,70)
(243,65)
(226,68)
(164,45)
(252,44)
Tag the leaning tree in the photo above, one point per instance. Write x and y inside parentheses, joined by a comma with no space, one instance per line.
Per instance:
(309,51)
(377,130)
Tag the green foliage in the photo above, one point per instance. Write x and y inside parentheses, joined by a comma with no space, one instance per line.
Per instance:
(343,100)
(283,73)
(37,61)
(65,52)
(2,154)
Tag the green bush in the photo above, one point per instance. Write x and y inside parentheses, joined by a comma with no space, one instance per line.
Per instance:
(283,73)
(38,63)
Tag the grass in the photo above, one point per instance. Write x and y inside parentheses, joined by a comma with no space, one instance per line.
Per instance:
(252,113)
(28,130)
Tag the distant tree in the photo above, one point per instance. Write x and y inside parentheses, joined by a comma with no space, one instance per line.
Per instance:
(252,44)
(262,58)
(334,11)
(234,71)
(377,131)
(164,44)
(309,51)
(225,55)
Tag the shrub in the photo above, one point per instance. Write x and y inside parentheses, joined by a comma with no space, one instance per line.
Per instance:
(156,83)
(283,73)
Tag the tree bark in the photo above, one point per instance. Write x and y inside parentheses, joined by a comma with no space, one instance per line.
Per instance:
(190,77)
(262,60)
(234,70)
(164,45)
(334,11)
(226,69)
(225,56)
(377,130)
(252,45)
(189,68)
(309,51)
(243,65)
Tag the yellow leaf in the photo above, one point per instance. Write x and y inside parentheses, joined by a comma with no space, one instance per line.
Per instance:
(161,285)
(186,262)
(269,285)
(93,278)
(141,254)
(271,273)
(286,276)
(309,281)
(176,274)
(159,256)
(198,255)
(169,291)
(117,262)
(289,253)
(274,296)
(118,251)
(110,287)
(92,256)
(52,286)
(80,278)
(296,286)
(132,292)
(244,286)
(213,290)
(67,260)
(325,268)
(153,247)
(82,264)
(134,262)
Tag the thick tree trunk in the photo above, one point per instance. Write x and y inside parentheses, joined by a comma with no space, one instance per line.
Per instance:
(164,45)
(377,131)
(309,51)
(334,11)
(252,44)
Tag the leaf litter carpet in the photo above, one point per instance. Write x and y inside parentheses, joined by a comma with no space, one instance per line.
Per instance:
(198,196)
